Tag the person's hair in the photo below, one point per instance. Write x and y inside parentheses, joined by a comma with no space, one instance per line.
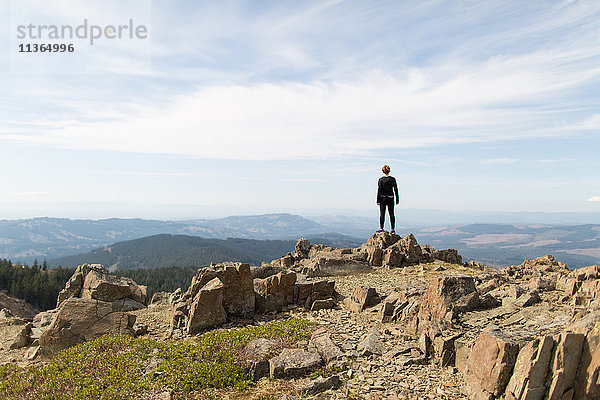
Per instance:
(386,169)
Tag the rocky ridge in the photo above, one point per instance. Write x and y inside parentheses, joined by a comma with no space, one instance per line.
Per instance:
(397,321)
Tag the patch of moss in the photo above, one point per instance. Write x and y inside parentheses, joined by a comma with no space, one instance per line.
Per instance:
(116,367)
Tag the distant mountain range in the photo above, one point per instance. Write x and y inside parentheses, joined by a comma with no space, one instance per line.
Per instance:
(490,243)
(49,238)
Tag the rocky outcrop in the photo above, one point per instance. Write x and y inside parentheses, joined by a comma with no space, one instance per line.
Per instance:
(382,249)
(275,292)
(93,303)
(204,307)
(79,320)
(92,281)
(390,250)
(238,295)
(75,283)
(242,295)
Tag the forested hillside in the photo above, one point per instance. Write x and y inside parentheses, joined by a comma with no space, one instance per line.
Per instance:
(50,238)
(178,250)
(35,284)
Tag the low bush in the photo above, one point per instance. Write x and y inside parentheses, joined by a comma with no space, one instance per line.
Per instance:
(116,367)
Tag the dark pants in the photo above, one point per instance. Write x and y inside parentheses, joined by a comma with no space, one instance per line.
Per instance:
(389,203)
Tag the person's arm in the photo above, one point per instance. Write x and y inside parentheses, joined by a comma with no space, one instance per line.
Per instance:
(396,192)
(378,190)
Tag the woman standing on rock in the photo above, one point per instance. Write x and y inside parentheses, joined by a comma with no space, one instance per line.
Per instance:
(386,189)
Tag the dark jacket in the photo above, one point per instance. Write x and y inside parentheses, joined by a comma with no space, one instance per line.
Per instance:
(387,187)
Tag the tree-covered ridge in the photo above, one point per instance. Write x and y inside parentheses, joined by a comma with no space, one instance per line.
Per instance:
(36,284)
(179,250)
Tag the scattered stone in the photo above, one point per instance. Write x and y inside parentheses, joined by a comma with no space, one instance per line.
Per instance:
(256,353)
(322,384)
(294,363)
(371,344)
(322,304)
(6,314)
(160,298)
(528,299)
(23,337)
(33,353)
(322,343)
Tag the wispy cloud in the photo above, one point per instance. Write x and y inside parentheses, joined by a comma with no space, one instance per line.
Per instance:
(594,199)
(157,174)
(432,88)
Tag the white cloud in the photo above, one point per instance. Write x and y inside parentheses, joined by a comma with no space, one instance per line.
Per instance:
(594,199)
(466,94)
(329,119)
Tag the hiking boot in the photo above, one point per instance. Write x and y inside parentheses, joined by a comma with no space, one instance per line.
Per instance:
(393,232)
(380,231)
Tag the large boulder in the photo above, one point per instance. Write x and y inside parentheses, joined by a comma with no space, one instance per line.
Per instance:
(446,297)
(294,363)
(102,286)
(206,310)
(450,256)
(361,298)
(275,292)
(529,375)
(79,320)
(490,365)
(587,382)
(564,364)
(238,296)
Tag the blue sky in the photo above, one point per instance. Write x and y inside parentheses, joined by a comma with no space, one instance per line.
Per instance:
(241,107)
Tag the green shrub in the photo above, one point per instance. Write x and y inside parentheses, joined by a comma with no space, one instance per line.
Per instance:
(115,367)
